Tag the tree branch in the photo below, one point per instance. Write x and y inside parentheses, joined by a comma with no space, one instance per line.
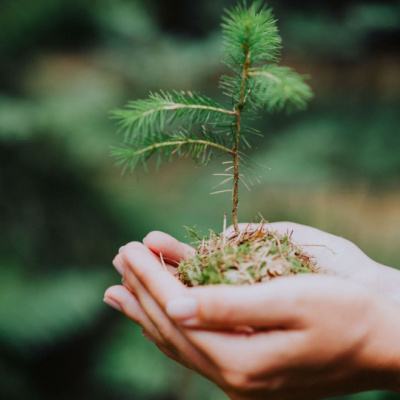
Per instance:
(177,106)
(180,143)
(266,74)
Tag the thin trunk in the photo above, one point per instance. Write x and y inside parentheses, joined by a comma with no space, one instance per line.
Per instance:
(240,106)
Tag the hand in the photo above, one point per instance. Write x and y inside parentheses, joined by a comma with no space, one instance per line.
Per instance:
(136,303)
(335,255)
(307,356)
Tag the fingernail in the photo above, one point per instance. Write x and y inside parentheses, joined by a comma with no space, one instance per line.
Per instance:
(118,266)
(112,303)
(182,307)
(121,249)
(148,337)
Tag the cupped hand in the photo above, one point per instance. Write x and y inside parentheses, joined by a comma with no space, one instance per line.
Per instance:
(335,255)
(315,335)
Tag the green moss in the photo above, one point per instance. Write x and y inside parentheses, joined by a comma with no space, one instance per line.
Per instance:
(255,255)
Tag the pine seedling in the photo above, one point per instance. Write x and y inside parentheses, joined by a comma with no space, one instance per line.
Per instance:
(208,129)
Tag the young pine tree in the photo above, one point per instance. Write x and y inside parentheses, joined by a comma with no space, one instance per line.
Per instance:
(208,129)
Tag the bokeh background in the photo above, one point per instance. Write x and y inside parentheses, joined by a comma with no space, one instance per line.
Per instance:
(65,209)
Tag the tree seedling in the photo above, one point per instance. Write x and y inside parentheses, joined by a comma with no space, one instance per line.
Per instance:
(208,129)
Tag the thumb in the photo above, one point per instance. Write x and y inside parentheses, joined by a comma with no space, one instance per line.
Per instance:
(264,305)
(171,249)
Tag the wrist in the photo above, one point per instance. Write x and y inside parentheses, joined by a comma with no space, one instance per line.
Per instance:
(393,352)
(383,346)
(395,335)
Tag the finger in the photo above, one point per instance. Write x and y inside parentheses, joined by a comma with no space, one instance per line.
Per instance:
(170,248)
(137,259)
(170,354)
(118,264)
(153,311)
(125,301)
(168,267)
(219,306)
(149,271)
(120,298)
(264,305)
(173,343)
(275,349)
(131,281)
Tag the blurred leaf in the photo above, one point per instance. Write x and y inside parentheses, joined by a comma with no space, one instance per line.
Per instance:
(134,365)
(38,310)
(126,18)
(131,362)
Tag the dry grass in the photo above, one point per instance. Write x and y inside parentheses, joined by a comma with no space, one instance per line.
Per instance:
(253,255)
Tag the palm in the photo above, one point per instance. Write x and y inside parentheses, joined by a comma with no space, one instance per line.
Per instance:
(336,256)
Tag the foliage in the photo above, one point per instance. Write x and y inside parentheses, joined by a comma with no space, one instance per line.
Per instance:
(250,39)
(149,117)
(77,294)
(272,86)
(253,29)
(276,87)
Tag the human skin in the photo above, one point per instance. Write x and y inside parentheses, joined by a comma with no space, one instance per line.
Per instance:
(310,336)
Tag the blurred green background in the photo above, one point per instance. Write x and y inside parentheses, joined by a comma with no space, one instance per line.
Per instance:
(65,210)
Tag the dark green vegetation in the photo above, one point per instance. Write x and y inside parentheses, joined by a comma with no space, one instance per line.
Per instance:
(251,48)
(63,210)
